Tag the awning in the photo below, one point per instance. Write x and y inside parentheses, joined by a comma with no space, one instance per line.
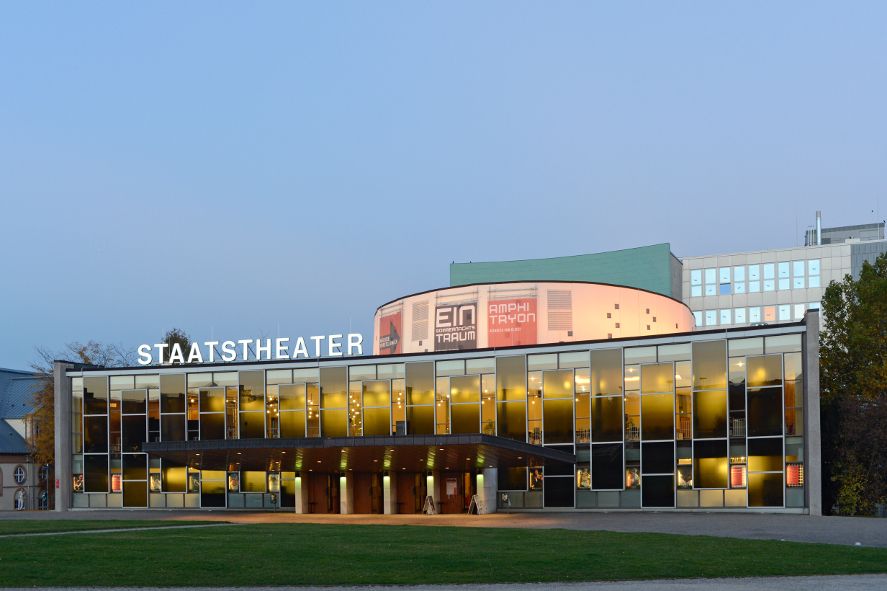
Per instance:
(413,453)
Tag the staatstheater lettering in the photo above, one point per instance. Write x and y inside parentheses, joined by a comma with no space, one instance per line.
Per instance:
(283,348)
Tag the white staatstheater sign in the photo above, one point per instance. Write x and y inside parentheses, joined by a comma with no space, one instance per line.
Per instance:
(334,345)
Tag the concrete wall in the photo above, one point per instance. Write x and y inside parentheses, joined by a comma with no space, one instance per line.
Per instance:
(63,450)
(812,430)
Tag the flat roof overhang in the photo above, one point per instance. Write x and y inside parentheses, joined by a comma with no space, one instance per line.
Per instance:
(414,453)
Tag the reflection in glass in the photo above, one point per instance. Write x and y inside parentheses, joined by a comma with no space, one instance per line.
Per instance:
(710,464)
(558,420)
(765,370)
(606,372)
(606,419)
(657,416)
(95,434)
(765,455)
(764,411)
(765,490)
(709,365)
(95,473)
(606,466)
(657,491)
(710,414)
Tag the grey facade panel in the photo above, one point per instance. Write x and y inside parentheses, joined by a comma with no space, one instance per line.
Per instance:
(865,251)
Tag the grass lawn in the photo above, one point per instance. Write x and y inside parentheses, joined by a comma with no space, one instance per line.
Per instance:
(27,526)
(309,554)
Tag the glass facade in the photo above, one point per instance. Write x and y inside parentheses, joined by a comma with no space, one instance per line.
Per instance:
(712,423)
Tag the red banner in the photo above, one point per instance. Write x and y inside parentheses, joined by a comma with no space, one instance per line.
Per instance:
(511,322)
(389,334)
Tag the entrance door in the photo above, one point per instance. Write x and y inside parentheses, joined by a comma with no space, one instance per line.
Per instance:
(367,492)
(455,490)
(412,488)
(323,493)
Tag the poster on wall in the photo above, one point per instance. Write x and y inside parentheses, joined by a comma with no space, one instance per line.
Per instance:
(389,334)
(455,327)
(511,322)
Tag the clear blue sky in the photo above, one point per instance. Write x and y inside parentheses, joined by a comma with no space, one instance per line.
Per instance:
(283,168)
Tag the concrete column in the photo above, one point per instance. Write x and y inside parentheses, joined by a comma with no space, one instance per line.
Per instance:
(812,429)
(389,494)
(487,487)
(432,481)
(301,494)
(346,494)
(63,434)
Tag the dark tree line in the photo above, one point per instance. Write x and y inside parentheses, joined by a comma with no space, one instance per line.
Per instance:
(853,383)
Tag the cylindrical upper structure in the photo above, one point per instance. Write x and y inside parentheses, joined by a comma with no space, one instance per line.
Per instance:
(492,315)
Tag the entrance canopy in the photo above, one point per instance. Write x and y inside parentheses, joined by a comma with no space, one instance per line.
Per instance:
(413,453)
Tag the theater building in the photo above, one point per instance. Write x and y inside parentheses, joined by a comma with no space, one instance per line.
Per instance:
(528,396)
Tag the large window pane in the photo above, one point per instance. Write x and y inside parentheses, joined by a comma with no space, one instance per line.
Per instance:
(134,401)
(657,458)
(333,387)
(710,464)
(765,370)
(657,416)
(292,397)
(135,494)
(252,391)
(292,424)
(607,466)
(174,478)
(710,365)
(657,491)
(558,421)
(465,418)
(95,434)
(420,383)
(606,419)
(212,426)
(558,492)
(213,400)
(134,433)
(376,421)
(657,377)
(765,455)
(512,478)
(95,473)
(172,393)
(465,389)
(709,414)
(375,394)
(172,427)
(764,411)
(765,490)
(512,417)
(420,420)
(558,384)
(135,467)
(511,377)
(95,395)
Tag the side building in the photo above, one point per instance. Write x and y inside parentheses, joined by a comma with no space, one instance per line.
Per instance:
(23,484)
(776,285)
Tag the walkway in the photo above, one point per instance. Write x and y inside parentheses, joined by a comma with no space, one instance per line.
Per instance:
(864,531)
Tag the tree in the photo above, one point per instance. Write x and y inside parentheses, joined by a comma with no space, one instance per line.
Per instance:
(853,383)
(179,337)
